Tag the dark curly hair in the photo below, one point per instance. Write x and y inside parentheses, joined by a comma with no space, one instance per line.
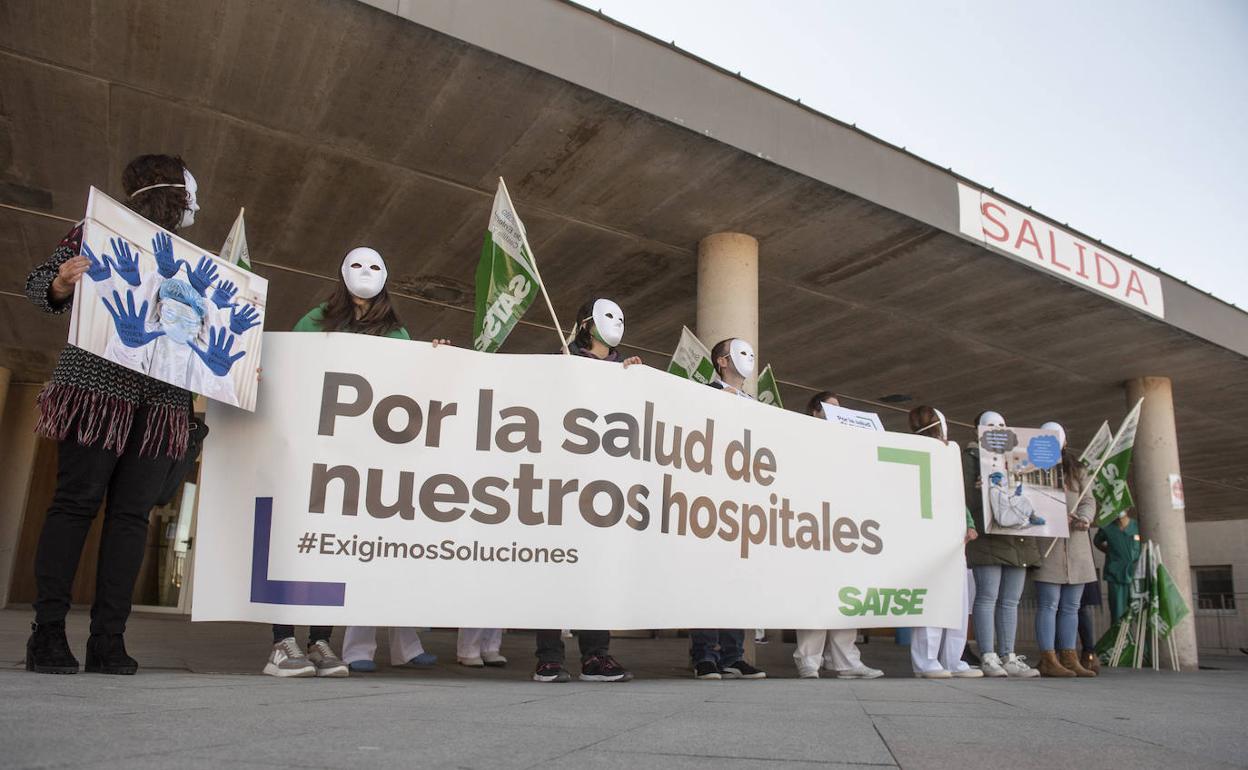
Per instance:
(162,205)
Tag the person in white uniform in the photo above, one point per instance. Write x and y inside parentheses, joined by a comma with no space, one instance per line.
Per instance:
(477,647)
(359,645)
(832,649)
(936,653)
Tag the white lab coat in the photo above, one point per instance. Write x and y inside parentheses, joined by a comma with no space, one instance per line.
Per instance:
(936,649)
(360,643)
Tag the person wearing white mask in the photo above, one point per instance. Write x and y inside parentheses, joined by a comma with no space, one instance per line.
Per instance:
(999,563)
(717,653)
(936,653)
(597,335)
(832,650)
(360,304)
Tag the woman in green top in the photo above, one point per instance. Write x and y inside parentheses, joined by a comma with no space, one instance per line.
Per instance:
(1121,543)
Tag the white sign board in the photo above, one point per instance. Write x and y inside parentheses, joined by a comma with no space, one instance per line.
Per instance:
(385,482)
(1021,234)
(852,418)
(160,305)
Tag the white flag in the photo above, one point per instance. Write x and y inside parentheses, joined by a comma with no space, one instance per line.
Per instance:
(234,250)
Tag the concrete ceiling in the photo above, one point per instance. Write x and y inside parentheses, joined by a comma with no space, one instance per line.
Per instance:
(336,124)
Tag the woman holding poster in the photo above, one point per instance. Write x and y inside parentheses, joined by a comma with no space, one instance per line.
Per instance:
(999,563)
(599,329)
(118,434)
(1060,579)
(717,653)
(833,650)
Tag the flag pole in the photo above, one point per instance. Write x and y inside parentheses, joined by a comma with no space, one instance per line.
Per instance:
(524,236)
(1092,480)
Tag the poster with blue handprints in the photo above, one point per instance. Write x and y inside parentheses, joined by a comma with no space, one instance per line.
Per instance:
(157,303)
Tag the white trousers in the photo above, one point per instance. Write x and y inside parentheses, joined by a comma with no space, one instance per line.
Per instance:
(934,649)
(360,643)
(834,650)
(473,642)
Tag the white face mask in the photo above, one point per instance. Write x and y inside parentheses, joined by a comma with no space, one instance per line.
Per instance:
(742,355)
(364,272)
(192,201)
(1057,428)
(940,421)
(608,322)
(991,420)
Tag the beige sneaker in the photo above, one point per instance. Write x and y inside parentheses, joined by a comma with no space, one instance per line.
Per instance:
(287,660)
(1016,667)
(493,659)
(990,664)
(321,655)
(938,673)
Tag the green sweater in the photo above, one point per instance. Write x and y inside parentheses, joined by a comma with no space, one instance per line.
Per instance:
(316,316)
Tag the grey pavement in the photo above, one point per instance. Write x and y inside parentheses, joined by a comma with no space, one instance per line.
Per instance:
(199,702)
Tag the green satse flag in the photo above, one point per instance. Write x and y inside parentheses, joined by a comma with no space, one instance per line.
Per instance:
(768,390)
(692,360)
(1095,450)
(234,250)
(1109,489)
(1170,606)
(505,283)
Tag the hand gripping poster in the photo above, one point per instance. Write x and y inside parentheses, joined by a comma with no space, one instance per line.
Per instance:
(160,305)
(1020,472)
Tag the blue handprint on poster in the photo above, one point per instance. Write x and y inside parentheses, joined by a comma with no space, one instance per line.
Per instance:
(156,303)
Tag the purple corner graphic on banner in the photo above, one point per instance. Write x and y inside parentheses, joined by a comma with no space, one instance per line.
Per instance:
(265,591)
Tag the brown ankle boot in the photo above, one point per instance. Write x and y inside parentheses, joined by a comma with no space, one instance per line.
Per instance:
(1070,659)
(1088,660)
(1049,666)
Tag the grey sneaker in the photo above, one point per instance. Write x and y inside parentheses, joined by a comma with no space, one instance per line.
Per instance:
(287,659)
(322,656)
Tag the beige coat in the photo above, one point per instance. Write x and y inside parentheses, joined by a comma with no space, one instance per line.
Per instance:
(1070,561)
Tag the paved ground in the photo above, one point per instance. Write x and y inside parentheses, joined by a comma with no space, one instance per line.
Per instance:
(199,703)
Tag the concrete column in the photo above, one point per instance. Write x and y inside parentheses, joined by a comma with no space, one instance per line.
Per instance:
(18,445)
(728,289)
(1155,458)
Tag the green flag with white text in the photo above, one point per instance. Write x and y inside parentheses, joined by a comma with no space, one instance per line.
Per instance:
(506,285)
(1095,450)
(1109,488)
(1170,606)
(768,390)
(692,360)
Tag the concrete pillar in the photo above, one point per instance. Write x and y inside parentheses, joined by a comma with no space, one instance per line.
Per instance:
(1154,460)
(728,306)
(18,444)
(728,289)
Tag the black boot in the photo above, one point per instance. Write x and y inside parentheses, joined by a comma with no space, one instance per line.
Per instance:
(106,654)
(47,650)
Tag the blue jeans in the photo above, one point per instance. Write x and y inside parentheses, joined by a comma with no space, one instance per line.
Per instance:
(995,612)
(1060,603)
(720,646)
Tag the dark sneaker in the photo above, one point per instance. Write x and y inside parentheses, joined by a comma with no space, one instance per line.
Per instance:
(742,670)
(551,672)
(47,650)
(706,670)
(603,668)
(106,654)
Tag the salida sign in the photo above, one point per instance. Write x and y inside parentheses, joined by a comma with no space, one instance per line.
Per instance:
(1040,244)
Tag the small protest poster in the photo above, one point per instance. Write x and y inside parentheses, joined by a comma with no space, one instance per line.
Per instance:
(1021,482)
(157,303)
(852,418)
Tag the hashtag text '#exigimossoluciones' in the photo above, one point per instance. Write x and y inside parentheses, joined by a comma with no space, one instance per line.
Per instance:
(366,550)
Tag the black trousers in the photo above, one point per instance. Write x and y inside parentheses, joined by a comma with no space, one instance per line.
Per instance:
(550,645)
(85,476)
(315,633)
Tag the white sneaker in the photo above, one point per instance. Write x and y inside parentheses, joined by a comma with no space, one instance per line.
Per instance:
(807,672)
(1016,666)
(860,672)
(938,673)
(321,655)
(471,662)
(287,660)
(967,672)
(493,659)
(990,665)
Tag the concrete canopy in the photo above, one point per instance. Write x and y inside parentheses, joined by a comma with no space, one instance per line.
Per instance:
(337,124)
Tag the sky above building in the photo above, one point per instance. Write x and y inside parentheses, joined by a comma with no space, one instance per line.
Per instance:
(1127,119)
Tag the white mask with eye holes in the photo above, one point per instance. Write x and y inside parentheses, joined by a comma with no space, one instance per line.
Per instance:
(1058,429)
(608,322)
(991,420)
(192,200)
(941,422)
(742,355)
(364,272)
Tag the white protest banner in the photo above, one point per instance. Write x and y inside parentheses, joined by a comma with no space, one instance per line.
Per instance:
(1021,482)
(852,418)
(385,482)
(159,304)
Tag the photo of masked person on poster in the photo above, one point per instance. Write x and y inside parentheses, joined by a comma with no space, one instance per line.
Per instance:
(597,335)
(118,434)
